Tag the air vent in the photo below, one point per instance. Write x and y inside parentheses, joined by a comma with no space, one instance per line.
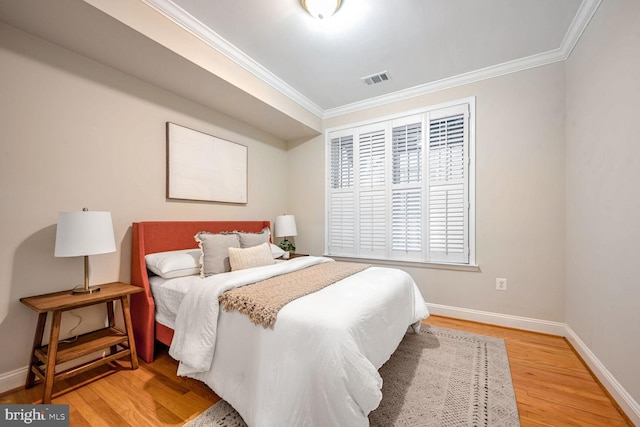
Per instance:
(376,78)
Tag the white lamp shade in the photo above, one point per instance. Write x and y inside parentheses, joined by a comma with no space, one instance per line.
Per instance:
(84,233)
(286,226)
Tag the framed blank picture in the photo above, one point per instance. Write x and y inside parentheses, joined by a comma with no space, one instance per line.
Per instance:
(204,167)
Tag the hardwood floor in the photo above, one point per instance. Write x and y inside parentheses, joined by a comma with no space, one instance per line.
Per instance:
(152,395)
(553,387)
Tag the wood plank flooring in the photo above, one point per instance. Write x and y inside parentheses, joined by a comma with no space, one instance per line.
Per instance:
(553,387)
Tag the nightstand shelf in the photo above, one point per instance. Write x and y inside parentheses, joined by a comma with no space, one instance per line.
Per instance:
(119,343)
(86,344)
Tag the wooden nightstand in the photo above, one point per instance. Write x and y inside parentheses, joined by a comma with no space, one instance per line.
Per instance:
(296,255)
(45,358)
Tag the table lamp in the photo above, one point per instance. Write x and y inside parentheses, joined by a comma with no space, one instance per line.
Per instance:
(82,234)
(286,227)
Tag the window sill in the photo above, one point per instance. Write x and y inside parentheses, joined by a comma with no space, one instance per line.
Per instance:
(434,265)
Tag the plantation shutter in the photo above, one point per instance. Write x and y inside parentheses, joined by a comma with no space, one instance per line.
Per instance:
(448,213)
(342,172)
(372,206)
(342,210)
(406,226)
(406,189)
(402,188)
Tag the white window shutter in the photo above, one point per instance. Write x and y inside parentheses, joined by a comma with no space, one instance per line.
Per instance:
(342,209)
(342,222)
(372,206)
(342,167)
(372,159)
(401,188)
(406,222)
(373,223)
(407,153)
(448,185)
(406,190)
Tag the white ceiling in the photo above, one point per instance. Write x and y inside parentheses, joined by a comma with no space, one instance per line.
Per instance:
(423,44)
(307,69)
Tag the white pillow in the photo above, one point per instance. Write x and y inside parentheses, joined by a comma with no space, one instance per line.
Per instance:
(172,264)
(276,251)
(255,256)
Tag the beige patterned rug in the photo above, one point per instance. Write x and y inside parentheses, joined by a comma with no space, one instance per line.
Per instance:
(439,377)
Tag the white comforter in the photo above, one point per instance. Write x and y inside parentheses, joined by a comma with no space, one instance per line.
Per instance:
(318,366)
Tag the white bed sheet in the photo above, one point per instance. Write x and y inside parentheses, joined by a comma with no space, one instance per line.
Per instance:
(168,294)
(318,366)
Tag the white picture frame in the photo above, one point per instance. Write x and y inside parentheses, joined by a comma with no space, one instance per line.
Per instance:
(202,167)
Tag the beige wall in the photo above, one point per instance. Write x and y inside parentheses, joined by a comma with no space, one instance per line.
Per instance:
(519,192)
(76,134)
(603,197)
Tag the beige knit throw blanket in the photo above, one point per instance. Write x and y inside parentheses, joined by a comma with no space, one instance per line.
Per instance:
(262,301)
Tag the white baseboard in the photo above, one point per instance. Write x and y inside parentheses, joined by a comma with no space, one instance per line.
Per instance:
(13,379)
(630,407)
(615,389)
(506,320)
(18,377)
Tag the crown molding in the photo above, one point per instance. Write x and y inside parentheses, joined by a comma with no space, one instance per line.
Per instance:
(181,17)
(188,22)
(578,25)
(450,82)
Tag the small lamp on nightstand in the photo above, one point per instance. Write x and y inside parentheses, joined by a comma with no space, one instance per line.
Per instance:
(286,227)
(82,234)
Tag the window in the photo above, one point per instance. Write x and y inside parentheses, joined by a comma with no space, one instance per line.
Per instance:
(402,189)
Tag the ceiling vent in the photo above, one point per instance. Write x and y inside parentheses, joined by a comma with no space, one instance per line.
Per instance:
(376,78)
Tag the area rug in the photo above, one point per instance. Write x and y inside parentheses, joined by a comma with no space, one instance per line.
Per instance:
(439,377)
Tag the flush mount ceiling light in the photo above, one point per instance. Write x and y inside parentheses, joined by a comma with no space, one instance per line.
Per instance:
(321,8)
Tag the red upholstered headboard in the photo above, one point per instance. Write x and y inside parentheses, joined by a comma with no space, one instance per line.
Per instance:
(161,236)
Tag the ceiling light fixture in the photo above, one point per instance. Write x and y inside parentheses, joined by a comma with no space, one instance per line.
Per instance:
(321,8)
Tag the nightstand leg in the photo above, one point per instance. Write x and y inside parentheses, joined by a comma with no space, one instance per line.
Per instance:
(126,312)
(110,314)
(112,322)
(51,357)
(37,342)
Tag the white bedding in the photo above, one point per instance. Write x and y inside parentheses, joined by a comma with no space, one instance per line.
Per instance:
(318,366)
(168,294)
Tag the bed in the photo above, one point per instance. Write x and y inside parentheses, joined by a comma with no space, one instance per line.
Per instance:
(316,366)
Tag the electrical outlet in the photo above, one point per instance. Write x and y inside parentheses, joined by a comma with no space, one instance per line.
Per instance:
(501,284)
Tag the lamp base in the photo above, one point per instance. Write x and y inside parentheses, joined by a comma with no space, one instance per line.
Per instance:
(87,290)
